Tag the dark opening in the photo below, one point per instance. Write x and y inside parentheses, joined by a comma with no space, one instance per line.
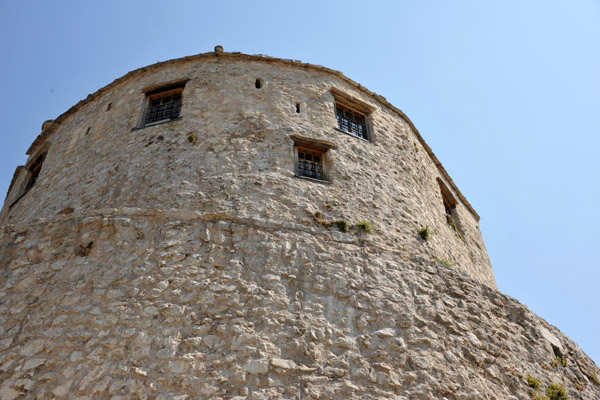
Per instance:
(557,352)
(298,108)
(34,172)
(88,130)
(450,204)
(35,169)
(448,207)
(109,106)
(259,83)
(447,198)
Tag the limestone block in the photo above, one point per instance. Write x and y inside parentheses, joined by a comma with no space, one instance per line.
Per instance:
(257,366)
(283,364)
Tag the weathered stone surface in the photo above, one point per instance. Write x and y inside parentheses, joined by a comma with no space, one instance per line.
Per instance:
(206,275)
(241,162)
(376,336)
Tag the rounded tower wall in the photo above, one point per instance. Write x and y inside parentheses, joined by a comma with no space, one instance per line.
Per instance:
(173,304)
(233,151)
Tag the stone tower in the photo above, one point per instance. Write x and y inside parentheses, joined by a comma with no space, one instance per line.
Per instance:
(235,226)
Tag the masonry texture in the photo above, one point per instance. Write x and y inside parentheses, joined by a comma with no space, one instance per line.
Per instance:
(187,259)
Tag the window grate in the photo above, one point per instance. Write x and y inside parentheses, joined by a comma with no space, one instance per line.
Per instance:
(163,106)
(310,163)
(348,121)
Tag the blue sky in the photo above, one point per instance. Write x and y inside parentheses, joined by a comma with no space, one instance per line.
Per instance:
(507,94)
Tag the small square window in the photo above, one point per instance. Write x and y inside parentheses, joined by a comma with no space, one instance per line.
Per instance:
(351,121)
(310,162)
(311,159)
(352,115)
(163,104)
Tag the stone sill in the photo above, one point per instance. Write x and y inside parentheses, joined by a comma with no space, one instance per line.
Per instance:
(313,179)
(164,121)
(354,136)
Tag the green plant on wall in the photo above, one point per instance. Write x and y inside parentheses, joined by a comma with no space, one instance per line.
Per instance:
(366,226)
(533,382)
(593,377)
(444,261)
(556,392)
(535,396)
(451,222)
(425,233)
(562,361)
(342,225)
(319,219)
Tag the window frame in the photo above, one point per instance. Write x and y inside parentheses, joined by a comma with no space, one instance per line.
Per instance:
(357,109)
(314,151)
(316,146)
(158,93)
(349,121)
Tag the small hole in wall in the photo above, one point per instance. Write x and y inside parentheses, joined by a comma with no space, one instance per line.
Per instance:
(259,83)
(109,106)
(88,130)
(298,108)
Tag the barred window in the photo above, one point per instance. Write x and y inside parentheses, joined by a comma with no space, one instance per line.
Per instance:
(352,114)
(163,105)
(312,157)
(351,121)
(310,163)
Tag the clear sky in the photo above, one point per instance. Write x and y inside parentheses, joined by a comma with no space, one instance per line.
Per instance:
(506,93)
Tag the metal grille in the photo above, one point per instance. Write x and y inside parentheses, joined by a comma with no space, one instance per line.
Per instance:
(163,106)
(350,122)
(310,163)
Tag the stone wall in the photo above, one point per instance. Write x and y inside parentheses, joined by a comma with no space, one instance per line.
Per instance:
(150,304)
(241,162)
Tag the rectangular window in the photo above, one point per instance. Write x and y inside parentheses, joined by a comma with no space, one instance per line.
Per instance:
(311,157)
(310,162)
(351,121)
(163,104)
(352,114)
